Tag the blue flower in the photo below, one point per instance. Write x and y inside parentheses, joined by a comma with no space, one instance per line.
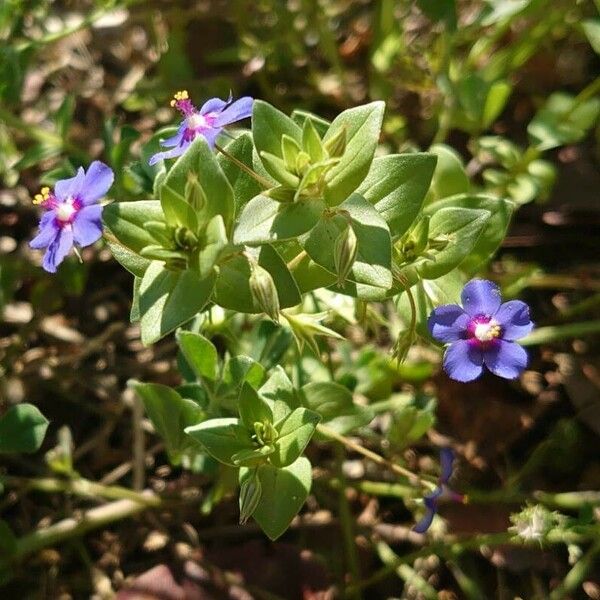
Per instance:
(73,213)
(208,121)
(441,491)
(482,333)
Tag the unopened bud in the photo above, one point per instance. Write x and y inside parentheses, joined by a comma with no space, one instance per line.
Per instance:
(156,252)
(281,193)
(439,242)
(336,144)
(250,493)
(184,238)
(419,235)
(264,292)
(302,163)
(344,253)
(194,194)
(289,150)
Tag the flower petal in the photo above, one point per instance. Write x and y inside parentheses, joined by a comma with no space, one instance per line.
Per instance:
(481,297)
(58,249)
(446,462)
(176,139)
(514,318)
(447,323)
(214,105)
(97,182)
(240,109)
(425,523)
(172,153)
(48,231)
(70,187)
(87,225)
(505,359)
(463,361)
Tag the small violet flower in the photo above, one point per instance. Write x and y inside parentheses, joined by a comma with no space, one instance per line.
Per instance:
(209,121)
(442,491)
(73,214)
(482,333)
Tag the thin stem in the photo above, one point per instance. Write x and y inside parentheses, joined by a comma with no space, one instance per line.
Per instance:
(260,180)
(374,457)
(296,260)
(577,574)
(553,333)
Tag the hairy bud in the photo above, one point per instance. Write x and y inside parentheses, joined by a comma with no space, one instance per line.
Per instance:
(264,292)
(250,493)
(336,145)
(344,253)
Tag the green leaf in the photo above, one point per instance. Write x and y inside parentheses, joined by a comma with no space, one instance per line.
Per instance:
(363,126)
(284,491)
(396,185)
(22,429)
(279,392)
(200,354)
(494,231)
(264,220)
(126,222)
(199,161)
(335,405)
(170,414)
(591,28)
(168,299)
(239,369)
(563,120)
(178,211)
(269,125)
(131,261)
(243,185)
(320,124)
(232,290)
(253,409)
(216,246)
(222,438)
(295,432)
(373,258)
(462,227)
(495,101)
(449,177)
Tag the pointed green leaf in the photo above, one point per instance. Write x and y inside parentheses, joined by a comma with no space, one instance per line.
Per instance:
(295,432)
(363,126)
(22,429)
(264,220)
(200,354)
(284,491)
(396,186)
(253,409)
(222,438)
(168,299)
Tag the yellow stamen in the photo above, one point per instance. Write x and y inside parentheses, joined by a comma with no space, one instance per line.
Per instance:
(42,196)
(181,95)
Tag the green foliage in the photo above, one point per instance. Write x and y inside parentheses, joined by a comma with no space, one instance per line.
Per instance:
(22,429)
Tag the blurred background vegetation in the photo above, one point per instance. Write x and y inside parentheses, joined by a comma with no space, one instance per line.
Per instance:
(506,92)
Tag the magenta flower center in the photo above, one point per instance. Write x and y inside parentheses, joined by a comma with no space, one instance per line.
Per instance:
(483,330)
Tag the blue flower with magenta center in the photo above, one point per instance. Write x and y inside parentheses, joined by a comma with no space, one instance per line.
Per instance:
(208,121)
(482,333)
(442,491)
(73,213)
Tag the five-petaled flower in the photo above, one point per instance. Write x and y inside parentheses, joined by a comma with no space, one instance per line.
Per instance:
(73,213)
(208,122)
(482,333)
(441,491)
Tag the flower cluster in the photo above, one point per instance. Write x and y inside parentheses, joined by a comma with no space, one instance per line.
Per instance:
(482,333)
(73,213)
(442,491)
(208,121)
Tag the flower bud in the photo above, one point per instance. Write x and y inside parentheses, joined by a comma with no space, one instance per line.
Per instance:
(155,252)
(250,493)
(194,194)
(344,253)
(281,193)
(184,238)
(264,292)
(336,145)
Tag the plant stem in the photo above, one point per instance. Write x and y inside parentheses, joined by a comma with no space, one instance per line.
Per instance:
(260,180)
(577,574)
(554,333)
(373,456)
